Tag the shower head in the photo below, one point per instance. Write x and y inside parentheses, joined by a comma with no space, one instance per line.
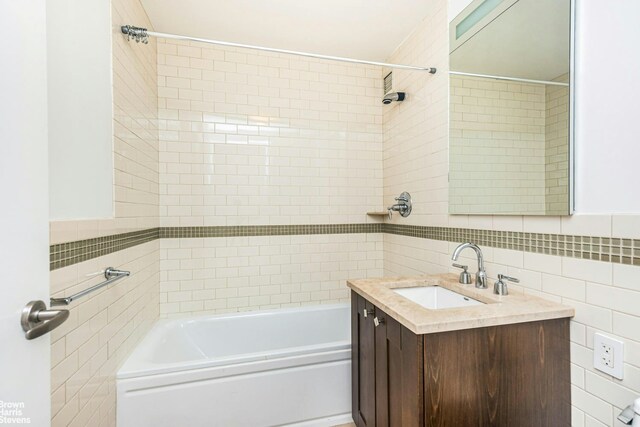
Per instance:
(393,96)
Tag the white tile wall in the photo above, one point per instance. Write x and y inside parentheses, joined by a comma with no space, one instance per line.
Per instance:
(605,295)
(556,147)
(492,123)
(255,138)
(101,331)
(249,137)
(219,275)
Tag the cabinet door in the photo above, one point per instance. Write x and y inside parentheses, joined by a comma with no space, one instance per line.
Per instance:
(398,374)
(509,375)
(363,362)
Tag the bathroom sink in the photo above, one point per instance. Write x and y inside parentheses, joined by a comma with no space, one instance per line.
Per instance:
(435,297)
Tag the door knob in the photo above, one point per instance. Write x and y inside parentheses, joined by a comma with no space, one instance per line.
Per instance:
(378,321)
(36,320)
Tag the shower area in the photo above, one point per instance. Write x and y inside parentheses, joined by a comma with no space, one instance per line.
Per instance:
(246,178)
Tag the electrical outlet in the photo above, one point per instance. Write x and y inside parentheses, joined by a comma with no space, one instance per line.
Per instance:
(608,355)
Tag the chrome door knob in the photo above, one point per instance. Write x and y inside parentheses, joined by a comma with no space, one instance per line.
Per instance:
(36,320)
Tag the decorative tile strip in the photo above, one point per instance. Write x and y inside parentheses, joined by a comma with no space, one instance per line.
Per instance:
(65,254)
(267,230)
(616,250)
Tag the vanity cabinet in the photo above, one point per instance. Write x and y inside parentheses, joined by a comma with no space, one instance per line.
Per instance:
(508,375)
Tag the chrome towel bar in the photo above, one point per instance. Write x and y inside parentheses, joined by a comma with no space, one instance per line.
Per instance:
(110,273)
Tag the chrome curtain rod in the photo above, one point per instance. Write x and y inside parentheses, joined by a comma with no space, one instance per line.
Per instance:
(142,35)
(513,79)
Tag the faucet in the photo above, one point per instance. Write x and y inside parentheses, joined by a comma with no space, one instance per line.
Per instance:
(403,206)
(481,275)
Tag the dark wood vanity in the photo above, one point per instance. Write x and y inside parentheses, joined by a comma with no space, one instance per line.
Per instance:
(513,375)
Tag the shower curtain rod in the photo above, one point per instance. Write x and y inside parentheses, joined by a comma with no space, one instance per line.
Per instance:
(142,35)
(512,79)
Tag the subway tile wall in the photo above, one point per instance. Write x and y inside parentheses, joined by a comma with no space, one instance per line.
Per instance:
(102,329)
(606,296)
(556,148)
(230,274)
(105,326)
(493,122)
(254,138)
(249,137)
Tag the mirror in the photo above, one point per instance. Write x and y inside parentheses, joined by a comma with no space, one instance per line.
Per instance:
(510,150)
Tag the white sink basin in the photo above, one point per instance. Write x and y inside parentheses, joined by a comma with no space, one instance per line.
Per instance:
(435,297)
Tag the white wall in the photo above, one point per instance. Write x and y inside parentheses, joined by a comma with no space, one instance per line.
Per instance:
(607,93)
(24,365)
(80,109)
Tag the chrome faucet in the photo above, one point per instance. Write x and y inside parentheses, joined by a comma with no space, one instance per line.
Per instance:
(481,275)
(403,206)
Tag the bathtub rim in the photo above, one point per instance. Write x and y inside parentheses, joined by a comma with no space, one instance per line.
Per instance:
(134,367)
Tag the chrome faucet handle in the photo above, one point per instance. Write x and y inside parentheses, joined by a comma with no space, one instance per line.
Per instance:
(509,278)
(465,276)
(500,287)
(403,207)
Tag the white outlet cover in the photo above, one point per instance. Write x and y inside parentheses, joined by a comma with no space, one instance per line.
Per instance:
(601,358)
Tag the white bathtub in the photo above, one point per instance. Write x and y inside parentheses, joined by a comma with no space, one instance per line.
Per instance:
(281,367)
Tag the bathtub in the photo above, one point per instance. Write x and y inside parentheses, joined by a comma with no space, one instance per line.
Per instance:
(267,368)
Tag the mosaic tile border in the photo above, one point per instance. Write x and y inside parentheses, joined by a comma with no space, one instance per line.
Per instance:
(65,254)
(267,230)
(607,249)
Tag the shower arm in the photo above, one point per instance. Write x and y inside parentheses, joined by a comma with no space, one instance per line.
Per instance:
(141,35)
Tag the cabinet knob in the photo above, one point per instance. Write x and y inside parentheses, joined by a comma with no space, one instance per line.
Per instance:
(378,321)
(366,313)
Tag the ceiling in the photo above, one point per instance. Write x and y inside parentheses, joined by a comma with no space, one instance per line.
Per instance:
(529,40)
(364,29)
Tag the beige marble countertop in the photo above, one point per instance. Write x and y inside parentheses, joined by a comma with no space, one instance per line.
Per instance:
(497,310)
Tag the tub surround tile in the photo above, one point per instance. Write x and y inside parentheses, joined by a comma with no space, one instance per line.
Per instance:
(497,310)
(265,138)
